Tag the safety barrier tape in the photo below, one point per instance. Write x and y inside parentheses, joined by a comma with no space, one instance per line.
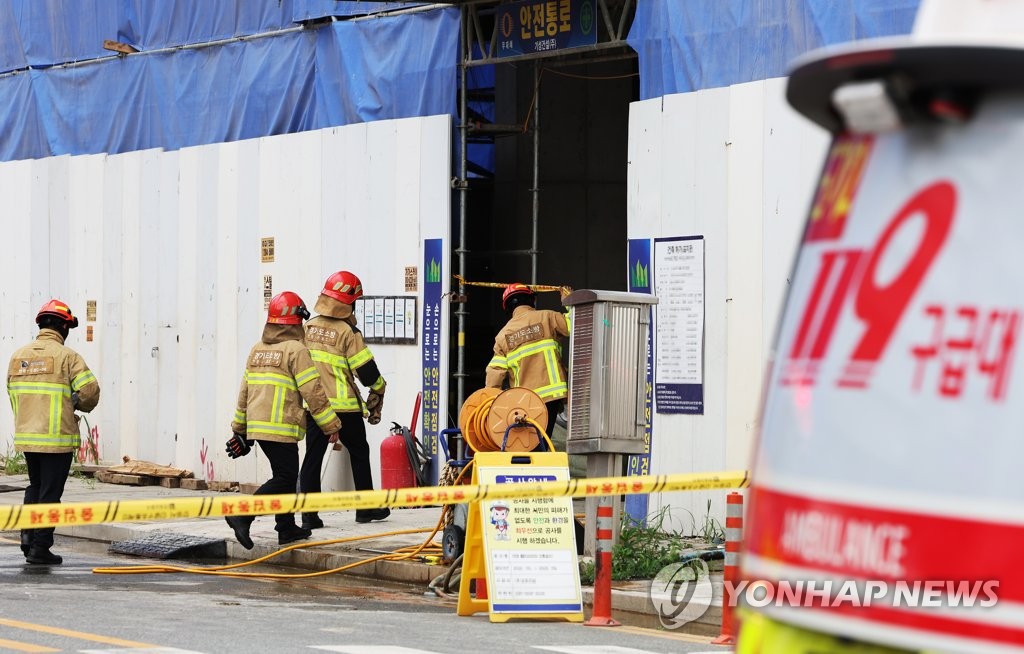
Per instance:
(539,288)
(90,513)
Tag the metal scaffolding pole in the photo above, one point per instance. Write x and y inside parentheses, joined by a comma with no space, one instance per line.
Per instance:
(536,170)
(460,312)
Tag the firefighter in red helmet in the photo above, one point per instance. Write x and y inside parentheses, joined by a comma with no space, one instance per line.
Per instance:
(279,376)
(48,382)
(341,356)
(527,352)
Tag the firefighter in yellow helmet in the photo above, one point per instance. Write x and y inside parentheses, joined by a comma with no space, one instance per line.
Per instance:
(48,382)
(341,356)
(527,352)
(279,376)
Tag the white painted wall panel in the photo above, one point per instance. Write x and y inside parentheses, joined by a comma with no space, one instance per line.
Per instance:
(166,258)
(85,259)
(744,237)
(643,172)
(168,243)
(190,447)
(16,325)
(131,354)
(737,166)
(58,223)
(109,318)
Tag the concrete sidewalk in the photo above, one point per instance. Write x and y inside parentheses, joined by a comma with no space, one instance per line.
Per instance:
(630,600)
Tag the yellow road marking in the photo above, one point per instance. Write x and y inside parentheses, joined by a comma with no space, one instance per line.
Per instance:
(24,647)
(689,638)
(70,633)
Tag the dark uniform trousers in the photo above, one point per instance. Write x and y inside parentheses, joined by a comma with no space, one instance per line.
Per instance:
(284,469)
(47,474)
(353,437)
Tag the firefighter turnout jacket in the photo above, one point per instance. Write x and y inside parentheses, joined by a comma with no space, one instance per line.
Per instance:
(341,355)
(47,381)
(527,350)
(279,375)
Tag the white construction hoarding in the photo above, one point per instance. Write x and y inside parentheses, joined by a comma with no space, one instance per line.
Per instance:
(169,246)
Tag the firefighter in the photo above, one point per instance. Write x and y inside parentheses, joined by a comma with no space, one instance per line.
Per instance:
(279,376)
(47,383)
(527,352)
(341,356)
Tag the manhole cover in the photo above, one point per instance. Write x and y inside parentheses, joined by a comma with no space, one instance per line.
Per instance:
(172,546)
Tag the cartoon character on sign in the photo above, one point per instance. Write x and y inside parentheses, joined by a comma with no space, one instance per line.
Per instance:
(499,518)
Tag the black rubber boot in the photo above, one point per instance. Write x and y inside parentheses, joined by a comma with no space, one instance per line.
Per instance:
(26,541)
(312,521)
(369,515)
(240,525)
(43,556)
(292,534)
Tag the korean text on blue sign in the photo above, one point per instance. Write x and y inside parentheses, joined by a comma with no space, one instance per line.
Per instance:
(524,479)
(533,26)
(431,347)
(639,281)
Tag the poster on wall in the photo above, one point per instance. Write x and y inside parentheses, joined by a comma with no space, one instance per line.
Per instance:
(679,325)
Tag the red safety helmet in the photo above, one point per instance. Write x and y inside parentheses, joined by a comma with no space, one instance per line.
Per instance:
(513,290)
(344,287)
(287,309)
(58,309)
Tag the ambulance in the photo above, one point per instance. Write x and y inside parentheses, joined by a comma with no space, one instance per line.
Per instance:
(886,512)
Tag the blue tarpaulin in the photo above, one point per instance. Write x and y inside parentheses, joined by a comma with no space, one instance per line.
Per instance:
(699,44)
(334,74)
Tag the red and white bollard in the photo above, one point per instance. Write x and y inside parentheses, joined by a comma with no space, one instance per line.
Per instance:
(733,539)
(602,614)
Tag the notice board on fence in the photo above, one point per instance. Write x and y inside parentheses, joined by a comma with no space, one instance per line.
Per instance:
(529,544)
(388,320)
(679,325)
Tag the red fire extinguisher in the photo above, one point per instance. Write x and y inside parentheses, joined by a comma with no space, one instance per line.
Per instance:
(395,467)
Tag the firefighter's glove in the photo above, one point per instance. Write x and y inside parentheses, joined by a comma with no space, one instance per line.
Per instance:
(237,446)
(75,400)
(374,405)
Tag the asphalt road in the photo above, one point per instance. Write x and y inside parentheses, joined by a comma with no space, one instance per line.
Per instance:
(69,608)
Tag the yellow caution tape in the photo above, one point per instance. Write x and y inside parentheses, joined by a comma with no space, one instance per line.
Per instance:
(539,288)
(91,513)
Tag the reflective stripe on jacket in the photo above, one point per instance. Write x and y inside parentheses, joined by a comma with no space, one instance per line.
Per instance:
(341,355)
(526,351)
(277,378)
(40,380)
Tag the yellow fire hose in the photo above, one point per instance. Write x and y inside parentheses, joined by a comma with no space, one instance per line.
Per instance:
(226,570)
(402,554)
(489,413)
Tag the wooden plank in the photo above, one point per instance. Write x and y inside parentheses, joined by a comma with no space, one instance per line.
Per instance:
(248,489)
(136,467)
(108,477)
(193,484)
(168,482)
(121,48)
